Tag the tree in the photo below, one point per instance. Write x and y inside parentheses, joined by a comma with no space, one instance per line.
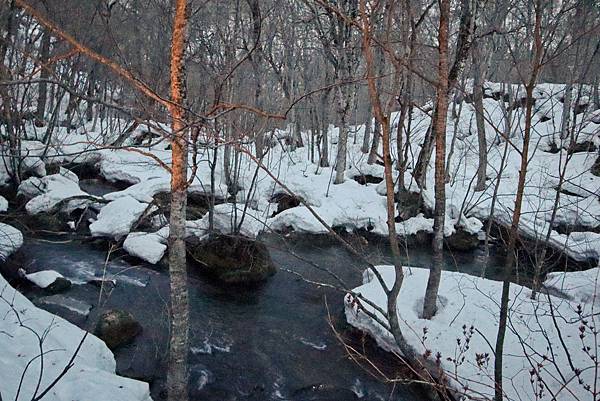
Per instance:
(177,377)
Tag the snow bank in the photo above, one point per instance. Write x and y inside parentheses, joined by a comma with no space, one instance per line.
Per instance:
(581,286)
(467,320)
(3,204)
(92,375)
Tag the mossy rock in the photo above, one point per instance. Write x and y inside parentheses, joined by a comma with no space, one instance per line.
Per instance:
(233,259)
(117,328)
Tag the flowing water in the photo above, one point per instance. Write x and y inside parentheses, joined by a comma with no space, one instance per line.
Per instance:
(270,342)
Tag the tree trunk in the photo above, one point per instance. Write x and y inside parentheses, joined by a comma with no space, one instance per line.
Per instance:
(374,143)
(439,132)
(342,145)
(324,159)
(367,136)
(44,74)
(479,72)
(178,345)
(513,232)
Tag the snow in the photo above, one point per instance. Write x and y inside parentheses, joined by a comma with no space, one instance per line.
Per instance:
(11,240)
(467,320)
(22,325)
(47,192)
(3,204)
(117,217)
(581,286)
(43,278)
(93,371)
(150,247)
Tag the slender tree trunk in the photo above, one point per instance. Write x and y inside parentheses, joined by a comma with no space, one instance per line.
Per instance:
(342,144)
(178,345)
(439,132)
(513,232)
(44,74)
(375,143)
(565,121)
(367,136)
(324,159)
(479,72)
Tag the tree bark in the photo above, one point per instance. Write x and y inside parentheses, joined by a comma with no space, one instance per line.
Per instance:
(439,133)
(479,73)
(44,74)
(178,345)
(536,66)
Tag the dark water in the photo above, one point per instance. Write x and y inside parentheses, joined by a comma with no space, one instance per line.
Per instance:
(267,343)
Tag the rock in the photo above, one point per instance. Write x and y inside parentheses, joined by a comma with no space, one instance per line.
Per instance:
(365,179)
(596,168)
(284,201)
(59,285)
(233,259)
(116,328)
(103,283)
(461,240)
(50,280)
(324,392)
(409,204)
(581,147)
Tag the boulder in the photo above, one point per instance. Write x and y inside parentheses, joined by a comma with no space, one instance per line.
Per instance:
(233,259)
(582,147)
(462,241)
(284,201)
(365,179)
(59,285)
(117,328)
(409,204)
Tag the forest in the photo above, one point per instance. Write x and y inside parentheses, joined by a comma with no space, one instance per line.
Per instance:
(299,200)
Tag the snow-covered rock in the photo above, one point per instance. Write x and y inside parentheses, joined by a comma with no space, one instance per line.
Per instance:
(92,375)
(117,217)
(43,278)
(50,190)
(11,240)
(147,246)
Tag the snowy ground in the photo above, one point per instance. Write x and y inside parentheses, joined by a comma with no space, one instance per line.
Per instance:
(350,204)
(464,330)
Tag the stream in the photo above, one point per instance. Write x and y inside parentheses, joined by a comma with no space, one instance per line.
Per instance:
(270,342)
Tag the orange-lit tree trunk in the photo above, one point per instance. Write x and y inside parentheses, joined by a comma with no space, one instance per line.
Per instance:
(178,344)
(439,133)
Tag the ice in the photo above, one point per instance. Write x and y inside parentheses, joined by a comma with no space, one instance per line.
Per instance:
(72,304)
